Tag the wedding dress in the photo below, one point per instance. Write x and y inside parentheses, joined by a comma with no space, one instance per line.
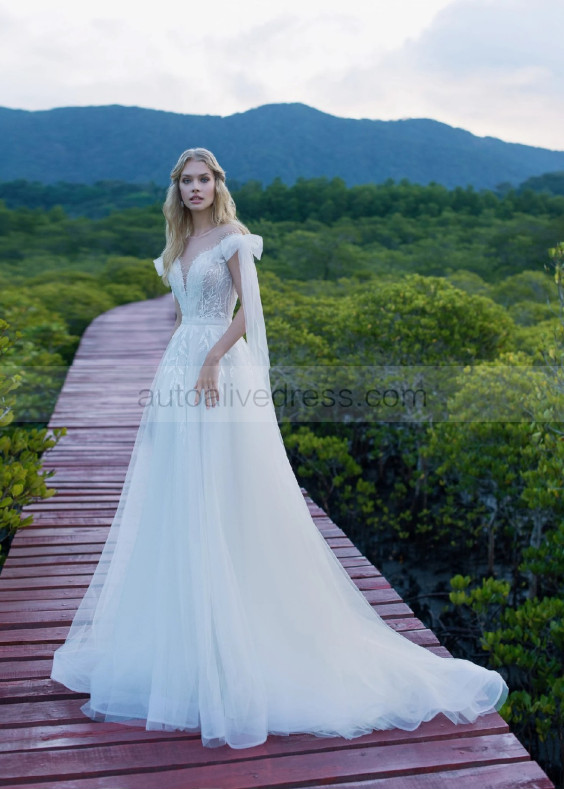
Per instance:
(217,606)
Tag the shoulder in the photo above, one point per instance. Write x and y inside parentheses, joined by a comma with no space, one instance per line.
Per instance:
(230,230)
(236,240)
(231,227)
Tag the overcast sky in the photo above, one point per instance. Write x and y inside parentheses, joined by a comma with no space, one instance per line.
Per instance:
(494,67)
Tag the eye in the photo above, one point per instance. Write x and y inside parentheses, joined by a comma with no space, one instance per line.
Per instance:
(185,180)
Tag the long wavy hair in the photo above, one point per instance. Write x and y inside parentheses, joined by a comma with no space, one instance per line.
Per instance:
(179,225)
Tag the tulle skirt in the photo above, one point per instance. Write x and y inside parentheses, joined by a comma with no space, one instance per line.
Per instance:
(217,607)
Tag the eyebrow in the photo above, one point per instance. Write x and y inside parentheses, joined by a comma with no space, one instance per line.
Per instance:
(191,175)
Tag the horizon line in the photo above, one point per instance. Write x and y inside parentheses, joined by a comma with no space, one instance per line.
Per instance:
(277,104)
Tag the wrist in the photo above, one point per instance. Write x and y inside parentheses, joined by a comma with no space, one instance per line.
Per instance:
(212,358)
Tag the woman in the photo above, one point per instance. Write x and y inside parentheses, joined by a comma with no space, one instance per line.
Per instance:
(217,606)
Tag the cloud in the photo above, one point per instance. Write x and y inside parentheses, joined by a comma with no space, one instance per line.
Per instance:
(492,36)
(495,67)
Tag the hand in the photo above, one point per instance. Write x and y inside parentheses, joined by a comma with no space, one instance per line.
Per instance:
(208,383)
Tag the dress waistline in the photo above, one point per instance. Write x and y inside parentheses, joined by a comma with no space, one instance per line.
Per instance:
(202,320)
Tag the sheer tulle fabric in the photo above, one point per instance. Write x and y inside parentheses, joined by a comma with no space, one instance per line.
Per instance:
(217,607)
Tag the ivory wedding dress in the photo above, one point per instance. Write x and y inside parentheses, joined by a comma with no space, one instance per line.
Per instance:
(217,606)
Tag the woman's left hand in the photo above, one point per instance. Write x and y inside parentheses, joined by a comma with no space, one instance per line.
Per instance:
(208,383)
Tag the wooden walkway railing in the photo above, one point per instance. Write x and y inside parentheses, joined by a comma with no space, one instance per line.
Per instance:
(45,740)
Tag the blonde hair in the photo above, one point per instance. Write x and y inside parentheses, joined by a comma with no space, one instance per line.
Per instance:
(179,224)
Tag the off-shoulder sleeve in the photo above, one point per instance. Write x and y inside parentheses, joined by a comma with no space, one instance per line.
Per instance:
(159,266)
(249,246)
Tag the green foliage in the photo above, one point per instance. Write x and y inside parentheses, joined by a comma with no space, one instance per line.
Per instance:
(133,273)
(39,352)
(421,320)
(22,478)
(553,183)
(527,643)
(78,304)
(326,467)
(92,200)
(521,623)
(316,229)
(492,461)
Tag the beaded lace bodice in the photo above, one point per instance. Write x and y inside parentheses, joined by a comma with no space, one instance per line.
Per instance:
(202,284)
(200,279)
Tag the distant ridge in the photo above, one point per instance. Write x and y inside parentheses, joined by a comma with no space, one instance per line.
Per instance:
(89,144)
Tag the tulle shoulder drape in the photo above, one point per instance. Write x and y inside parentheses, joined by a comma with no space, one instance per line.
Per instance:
(247,247)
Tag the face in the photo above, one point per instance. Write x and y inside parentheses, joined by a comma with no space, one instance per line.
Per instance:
(197,186)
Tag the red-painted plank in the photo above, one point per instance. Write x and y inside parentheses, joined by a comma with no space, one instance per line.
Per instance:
(38,605)
(54,559)
(29,650)
(51,550)
(32,668)
(18,636)
(355,562)
(23,596)
(65,735)
(12,691)
(24,583)
(61,535)
(518,776)
(179,763)
(55,570)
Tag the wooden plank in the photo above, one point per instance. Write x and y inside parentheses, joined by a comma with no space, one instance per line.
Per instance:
(63,735)
(18,636)
(62,535)
(55,570)
(54,559)
(39,605)
(50,549)
(12,691)
(33,595)
(179,763)
(18,670)
(17,620)
(376,582)
(24,583)
(28,650)
(518,775)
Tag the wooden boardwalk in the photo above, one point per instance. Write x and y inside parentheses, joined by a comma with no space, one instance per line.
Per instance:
(46,741)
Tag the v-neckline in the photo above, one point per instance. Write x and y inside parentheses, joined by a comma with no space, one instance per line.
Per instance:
(183,279)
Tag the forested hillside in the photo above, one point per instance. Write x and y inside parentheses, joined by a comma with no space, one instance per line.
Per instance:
(289,141)
(443,305)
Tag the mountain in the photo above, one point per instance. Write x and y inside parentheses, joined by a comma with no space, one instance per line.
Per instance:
(551,183)
(136,145)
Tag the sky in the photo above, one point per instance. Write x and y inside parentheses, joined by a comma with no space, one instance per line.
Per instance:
(494,67)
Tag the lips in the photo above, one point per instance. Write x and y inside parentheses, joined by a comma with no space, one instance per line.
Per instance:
(196,200)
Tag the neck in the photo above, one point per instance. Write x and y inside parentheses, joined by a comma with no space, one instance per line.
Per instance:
(201,222)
